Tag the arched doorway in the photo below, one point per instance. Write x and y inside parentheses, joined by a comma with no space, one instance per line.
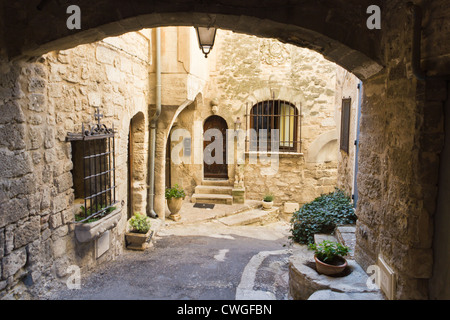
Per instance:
(214,148)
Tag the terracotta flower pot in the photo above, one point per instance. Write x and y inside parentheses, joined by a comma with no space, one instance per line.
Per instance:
(330,269)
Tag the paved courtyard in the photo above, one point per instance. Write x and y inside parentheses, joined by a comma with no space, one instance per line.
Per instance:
(202,260)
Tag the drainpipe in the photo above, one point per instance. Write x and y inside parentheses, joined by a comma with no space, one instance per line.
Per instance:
(153,122)
(417,46)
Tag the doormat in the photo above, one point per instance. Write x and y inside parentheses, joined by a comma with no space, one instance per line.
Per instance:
(204,205)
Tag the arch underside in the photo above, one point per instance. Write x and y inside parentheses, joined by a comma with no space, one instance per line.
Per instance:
(337,29)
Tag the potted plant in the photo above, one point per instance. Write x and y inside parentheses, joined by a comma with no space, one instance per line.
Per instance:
(329,257)
(139,233)
(268,202)
(175,197)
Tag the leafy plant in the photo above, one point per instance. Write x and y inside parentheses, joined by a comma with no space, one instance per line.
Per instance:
(139,223)
(268,198)
(328,251)
(102,212)
(175,192)
(322,215)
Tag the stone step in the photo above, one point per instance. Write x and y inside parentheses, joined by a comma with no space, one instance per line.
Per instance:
(328,295)
(216,182)
(320,237)
(214,190)
(251,217)
(346,236)
(212,198)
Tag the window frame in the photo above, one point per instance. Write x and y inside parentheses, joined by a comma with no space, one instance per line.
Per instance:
(268,115)
(99,170)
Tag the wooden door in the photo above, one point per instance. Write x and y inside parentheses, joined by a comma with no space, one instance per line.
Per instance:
(218,169)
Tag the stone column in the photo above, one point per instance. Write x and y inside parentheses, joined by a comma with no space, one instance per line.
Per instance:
(238,191)
(160,173)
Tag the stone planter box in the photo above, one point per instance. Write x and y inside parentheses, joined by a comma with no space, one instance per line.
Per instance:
(138,241)
(85,232)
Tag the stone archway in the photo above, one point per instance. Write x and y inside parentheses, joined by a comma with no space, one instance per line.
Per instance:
(319,150)
(402,122)
(165,124)
(323,27)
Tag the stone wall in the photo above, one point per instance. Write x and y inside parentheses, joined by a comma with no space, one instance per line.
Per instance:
(401,139)
(346,85)
(401,126)
(246,70)
(40,103)
(437,62)
(440,281)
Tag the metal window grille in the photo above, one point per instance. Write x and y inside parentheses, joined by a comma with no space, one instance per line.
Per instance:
(98,163)
(345,124)
(274,121)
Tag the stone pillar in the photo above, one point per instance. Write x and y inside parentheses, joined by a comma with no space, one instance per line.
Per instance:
(238,191)
(160,173)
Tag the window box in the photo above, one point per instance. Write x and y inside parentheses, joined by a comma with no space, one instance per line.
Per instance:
(85,232)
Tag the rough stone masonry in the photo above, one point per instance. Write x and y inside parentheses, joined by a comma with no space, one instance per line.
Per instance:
(402,124)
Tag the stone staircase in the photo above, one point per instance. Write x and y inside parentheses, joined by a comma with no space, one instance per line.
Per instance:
(221,192)
(214,192)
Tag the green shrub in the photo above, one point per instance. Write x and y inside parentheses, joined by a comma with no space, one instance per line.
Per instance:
(139,223)
(322,215)
(268,198)
(175,192)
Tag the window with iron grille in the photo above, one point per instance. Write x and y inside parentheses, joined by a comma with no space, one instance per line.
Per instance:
(272,123)
(345,124)
(94,170)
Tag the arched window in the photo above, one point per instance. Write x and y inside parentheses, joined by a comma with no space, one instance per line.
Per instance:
(274,122)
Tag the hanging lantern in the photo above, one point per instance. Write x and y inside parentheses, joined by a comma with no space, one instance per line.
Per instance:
(206,37)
